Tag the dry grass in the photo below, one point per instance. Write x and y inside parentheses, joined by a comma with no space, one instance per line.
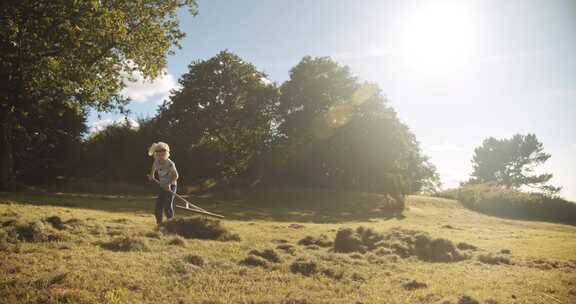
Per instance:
(266,265)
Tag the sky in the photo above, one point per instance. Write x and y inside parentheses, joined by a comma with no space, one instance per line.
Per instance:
(456,72)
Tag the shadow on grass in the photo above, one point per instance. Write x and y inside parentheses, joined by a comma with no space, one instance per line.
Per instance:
(314,207)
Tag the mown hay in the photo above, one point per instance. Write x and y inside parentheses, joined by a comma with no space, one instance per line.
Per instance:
(413,284)
(56,222)
(296,226)
(321,241)
(404,243)
(466,246)
(296,301)
(194,260)
(252,260)
(436,250)
(348,241)
(288,248)
(546,264)
(200,228)
(33,232)
(126,243)
(467,300)
(312,247)
(336,274)
(358,277)
(267,254)
(177,241)
(494,259)
(304,266)
(153,235)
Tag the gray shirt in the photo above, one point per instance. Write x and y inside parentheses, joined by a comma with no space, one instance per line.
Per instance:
(163,169)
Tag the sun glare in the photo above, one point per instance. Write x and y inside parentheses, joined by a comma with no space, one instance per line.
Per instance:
(438,38)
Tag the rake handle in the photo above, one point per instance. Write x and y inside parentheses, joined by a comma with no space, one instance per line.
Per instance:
(196,208)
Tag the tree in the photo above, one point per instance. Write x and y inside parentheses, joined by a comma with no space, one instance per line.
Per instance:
(338,132)
(511,162)
(222,117)
(65,56)
(117,152)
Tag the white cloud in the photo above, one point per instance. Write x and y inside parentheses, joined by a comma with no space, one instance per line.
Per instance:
(101,124)
(445,147)
(265,81)
(143,90)
(452,178)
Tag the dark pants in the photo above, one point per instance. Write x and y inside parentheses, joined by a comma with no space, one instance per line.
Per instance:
(165,203)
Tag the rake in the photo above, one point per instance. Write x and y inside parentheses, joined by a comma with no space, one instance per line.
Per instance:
(191,207)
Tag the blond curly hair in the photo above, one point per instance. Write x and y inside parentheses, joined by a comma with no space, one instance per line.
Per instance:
(158,146)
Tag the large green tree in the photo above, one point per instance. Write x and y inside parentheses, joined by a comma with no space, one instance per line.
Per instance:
(60,57)
(221,118)
(511,162)
(338,132)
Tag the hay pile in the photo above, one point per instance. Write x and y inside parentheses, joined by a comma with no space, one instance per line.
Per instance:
(267,254)
(304,266)
(126,243)
(320,241)
(14,231)
(252,260)
(401,242)
(261,258)
(195,260)
(199,228)
(493,259)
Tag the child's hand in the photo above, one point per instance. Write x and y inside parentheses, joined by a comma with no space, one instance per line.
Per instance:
(166,188)
(150,177)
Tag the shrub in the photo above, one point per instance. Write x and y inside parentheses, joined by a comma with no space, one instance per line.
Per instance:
(506,202)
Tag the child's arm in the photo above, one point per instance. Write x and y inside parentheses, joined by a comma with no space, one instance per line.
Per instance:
(151,174)
(173,174)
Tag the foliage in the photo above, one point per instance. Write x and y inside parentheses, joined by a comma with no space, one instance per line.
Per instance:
(511,163)
(118,152)
(60,57)
(337,132)
(502,201)
(222,117)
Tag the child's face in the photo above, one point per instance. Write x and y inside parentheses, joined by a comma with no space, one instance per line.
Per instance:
(161,154)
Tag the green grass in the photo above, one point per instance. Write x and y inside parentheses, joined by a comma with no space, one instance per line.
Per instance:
(151,268)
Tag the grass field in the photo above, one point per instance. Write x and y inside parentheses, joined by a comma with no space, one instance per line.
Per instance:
(104,249)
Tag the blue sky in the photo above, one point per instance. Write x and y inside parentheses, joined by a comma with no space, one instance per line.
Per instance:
(456,71)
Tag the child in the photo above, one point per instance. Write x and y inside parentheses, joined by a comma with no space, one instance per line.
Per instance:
(167,175)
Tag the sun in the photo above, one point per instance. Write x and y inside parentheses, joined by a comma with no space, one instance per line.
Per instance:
(438,38)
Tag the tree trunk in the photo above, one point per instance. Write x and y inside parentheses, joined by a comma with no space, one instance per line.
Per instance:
(6,156)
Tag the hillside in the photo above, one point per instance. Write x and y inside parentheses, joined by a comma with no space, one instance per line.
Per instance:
(66,248)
